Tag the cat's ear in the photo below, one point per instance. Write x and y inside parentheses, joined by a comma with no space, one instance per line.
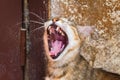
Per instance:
(85,31)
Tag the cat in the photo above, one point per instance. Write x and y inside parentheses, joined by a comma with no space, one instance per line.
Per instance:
(62,44)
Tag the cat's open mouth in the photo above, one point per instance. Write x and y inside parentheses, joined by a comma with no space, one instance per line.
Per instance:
(57,40)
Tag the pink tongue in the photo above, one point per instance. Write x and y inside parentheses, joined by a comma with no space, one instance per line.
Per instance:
(57,46)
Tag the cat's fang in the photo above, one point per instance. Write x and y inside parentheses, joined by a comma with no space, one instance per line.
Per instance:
(62,34)
(57,28)
(49,27)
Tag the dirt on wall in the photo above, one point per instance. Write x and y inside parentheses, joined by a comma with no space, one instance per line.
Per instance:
(102,49)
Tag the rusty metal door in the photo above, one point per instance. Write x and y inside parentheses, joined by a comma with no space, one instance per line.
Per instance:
(10,61)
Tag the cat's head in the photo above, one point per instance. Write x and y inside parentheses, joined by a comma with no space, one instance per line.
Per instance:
(61,39)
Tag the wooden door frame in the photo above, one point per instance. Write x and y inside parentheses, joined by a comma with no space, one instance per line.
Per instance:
(36,62)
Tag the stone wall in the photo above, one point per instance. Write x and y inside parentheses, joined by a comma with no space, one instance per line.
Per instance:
(102,49)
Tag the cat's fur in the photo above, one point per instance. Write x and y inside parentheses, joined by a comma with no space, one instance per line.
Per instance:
(70,65)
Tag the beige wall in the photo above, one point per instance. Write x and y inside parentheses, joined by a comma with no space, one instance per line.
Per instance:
(102,49)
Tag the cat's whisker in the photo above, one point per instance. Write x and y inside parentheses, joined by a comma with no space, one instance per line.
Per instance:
(36,29)
(31,21)
(37,16)
(37,22)
(19,23)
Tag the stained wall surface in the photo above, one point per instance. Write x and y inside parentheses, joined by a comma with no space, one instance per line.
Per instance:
(102,49)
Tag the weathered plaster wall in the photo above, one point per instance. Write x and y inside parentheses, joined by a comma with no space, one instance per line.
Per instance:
(102,49)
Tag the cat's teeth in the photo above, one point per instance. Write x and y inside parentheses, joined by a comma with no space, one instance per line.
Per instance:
(51,49)
(49,27)
(63,34)
(51,32)
(60,31)
(58,28)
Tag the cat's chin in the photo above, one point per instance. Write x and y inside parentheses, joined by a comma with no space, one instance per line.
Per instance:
(57,40)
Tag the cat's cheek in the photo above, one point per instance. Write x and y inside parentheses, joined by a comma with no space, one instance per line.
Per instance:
(46,44)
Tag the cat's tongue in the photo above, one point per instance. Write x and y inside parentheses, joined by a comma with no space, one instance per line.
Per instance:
(57,40)
(56,48)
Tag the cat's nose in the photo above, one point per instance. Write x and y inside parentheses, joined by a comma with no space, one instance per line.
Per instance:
(55,19)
